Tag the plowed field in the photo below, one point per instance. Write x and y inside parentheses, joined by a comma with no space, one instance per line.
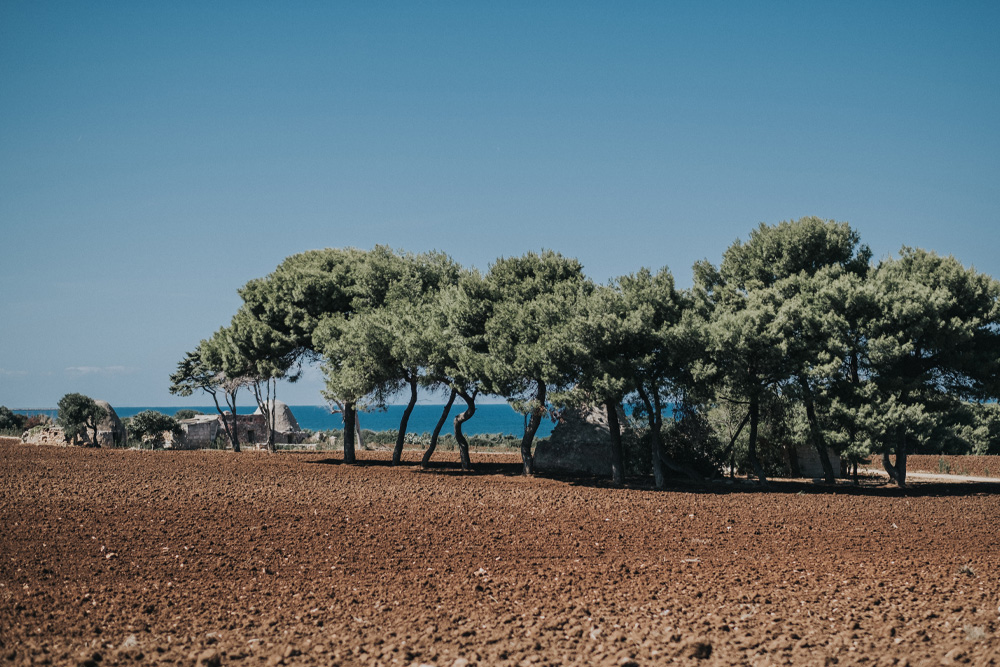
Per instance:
(126,557)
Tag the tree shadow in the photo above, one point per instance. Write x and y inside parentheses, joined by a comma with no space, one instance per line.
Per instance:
(868,487)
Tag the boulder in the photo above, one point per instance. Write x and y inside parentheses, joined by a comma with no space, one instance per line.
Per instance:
(110,431)
(580,443)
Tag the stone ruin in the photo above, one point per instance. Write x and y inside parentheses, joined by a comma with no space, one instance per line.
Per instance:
(202,430)
(110,431)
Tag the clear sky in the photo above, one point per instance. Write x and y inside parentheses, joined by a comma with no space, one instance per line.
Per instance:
(155,156)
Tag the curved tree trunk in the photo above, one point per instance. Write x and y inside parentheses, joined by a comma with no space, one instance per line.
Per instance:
(349,417)
(617,458)
(817,434)
(397,452)
(532,427)
(758,469)
(225,424)
(426,460)
(463,444)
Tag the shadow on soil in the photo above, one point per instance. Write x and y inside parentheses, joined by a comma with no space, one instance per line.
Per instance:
(867,486)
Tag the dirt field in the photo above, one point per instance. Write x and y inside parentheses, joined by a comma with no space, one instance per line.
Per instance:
(125,557)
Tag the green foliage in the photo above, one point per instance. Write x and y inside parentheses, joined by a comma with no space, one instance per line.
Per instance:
(933,344)
(532,301)
(795,338)
(187,413)
(79,413)
(10,421)
(152,425)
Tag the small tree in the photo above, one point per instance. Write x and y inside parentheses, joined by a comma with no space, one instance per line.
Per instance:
(77,414)
(205,369)
(187,413)
(152,425)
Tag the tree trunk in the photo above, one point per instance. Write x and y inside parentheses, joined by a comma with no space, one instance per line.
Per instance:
(752,448)
(617,459)
(265,403)
(357,430)
(656,448)
(816,434)
(897,472)
(901,459)
(349,415)
(532,427)
(234,431)
(463,444)
(397,452)
(225,424)
(426,461)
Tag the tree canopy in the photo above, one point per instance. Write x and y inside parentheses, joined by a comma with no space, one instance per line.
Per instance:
(78,414)
(796,338)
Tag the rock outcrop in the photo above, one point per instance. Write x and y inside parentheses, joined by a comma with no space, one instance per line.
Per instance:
(110,431)
(580,443)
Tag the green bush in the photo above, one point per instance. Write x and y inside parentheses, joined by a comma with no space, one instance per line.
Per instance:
(10,422)
(151,425)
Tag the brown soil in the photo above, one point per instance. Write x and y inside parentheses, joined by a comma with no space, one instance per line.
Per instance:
(127,557)
(975,466)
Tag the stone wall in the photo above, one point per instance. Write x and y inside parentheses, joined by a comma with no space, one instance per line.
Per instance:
(50,435)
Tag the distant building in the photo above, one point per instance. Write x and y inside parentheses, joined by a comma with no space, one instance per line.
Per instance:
(251,430)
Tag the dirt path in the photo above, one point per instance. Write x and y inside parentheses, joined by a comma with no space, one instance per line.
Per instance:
(931,476)
(183,558)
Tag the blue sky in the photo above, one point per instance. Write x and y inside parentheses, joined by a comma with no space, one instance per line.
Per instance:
(156,156)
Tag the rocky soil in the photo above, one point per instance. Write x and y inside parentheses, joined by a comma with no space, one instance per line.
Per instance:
(213,558)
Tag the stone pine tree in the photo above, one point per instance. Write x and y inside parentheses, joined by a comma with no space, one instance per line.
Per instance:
(534,299)
(767,333)
(459,355)
(603,355)
(742,360)
(78,414)
(933,340)
(262,356)
(203,370)
(386,339)
(626,344)
(307,290)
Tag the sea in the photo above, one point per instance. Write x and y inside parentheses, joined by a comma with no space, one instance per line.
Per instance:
(490,418)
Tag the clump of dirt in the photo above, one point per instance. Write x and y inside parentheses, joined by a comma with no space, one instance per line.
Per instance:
(114,557)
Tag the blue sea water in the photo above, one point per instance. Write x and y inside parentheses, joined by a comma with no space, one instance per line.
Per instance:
(496,418)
